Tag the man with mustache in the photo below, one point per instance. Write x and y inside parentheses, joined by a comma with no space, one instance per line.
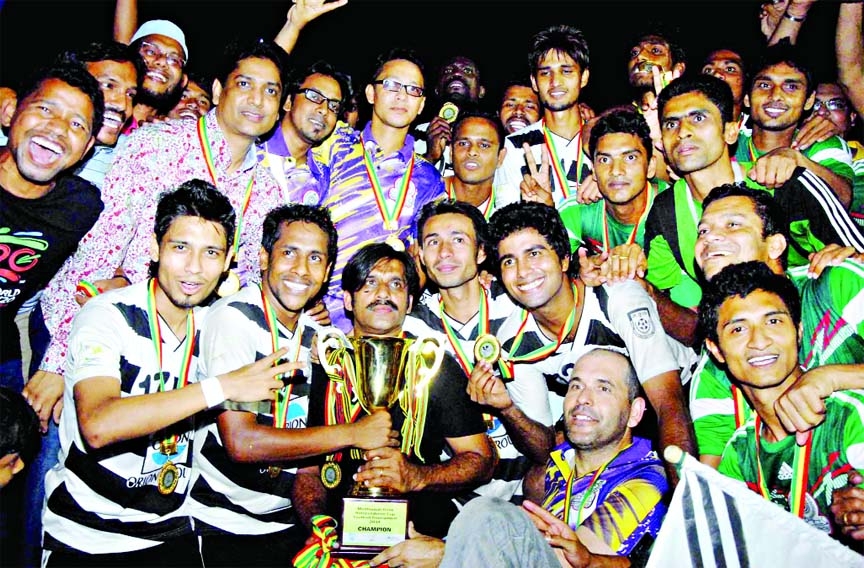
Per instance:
(196,100)
(380,286)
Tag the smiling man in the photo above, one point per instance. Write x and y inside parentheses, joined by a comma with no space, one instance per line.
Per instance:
(162,47)
(249,453)
(311,110)
(126,439)
(519,106)
(781,91)
(561,317)
(750,317)
(741,225)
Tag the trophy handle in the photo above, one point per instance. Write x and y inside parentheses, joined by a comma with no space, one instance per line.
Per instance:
(329,340)
(429,351)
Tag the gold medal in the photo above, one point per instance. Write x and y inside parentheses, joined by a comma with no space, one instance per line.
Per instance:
(487,348)
(274,471)
(231,285)
(331,474)
(449,112)
(169,475)
(395,243)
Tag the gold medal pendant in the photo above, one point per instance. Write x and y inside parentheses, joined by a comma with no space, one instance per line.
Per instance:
(168,478)
(395,243)
(487,348)
(274,471)
(331,474)
(231,285)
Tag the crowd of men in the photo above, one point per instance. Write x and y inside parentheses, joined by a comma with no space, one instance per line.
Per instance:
(686,270)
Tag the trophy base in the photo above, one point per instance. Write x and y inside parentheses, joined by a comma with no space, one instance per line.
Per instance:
(370,525)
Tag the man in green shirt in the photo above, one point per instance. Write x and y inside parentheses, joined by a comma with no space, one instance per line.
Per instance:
(621,152)
(780,92)
(738,225)
(750,317)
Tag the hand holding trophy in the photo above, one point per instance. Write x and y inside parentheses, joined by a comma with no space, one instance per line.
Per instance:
(373,373)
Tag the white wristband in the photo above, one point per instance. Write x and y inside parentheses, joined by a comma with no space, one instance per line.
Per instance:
(213,393)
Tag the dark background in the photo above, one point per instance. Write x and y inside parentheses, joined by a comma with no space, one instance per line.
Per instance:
(495,33)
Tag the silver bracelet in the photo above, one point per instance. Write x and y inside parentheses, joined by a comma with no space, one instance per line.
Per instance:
(213,393)
(789,16)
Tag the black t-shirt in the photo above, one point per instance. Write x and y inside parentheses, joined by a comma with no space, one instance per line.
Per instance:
(450,414)
(36,237)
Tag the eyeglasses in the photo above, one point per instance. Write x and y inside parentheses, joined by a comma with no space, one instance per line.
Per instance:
(831,104)
(315,97)
(395,86)
(149,51)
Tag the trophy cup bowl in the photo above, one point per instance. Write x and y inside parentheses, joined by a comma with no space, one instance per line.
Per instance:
(375,518)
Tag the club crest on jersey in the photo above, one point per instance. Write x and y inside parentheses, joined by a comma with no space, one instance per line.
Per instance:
(640,321)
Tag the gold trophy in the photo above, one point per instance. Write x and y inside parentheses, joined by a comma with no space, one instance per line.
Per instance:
(380,371)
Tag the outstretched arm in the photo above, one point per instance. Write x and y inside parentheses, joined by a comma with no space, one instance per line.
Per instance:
(301,13)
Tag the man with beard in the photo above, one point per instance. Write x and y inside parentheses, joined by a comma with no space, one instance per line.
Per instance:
(311,111)
(603,485)
(459,85)
(162,47)
(519,106)
(43,215)
(117,498)
(655,48)
(558,62)
(781,90)
(219,147)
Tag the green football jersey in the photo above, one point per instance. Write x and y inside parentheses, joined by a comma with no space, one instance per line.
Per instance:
(837,449)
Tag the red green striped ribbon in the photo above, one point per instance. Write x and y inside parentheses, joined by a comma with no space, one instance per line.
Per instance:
(800,468)
(391,218)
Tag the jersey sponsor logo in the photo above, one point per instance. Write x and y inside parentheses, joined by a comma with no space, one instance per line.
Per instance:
(640,321)
(19,252)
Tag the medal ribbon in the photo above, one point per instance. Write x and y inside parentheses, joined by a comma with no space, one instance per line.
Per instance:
(340,404)
(282,398)
(156,338)
(751,151)
(318,553)
(391,218)
(740,406)
(451,194)
(204,140)
(800,467)
(652,193)
(545,350)
(482,328)
(588,490)
(557,166)
(88,289)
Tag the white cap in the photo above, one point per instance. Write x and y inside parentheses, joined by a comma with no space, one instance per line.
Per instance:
(163,28)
